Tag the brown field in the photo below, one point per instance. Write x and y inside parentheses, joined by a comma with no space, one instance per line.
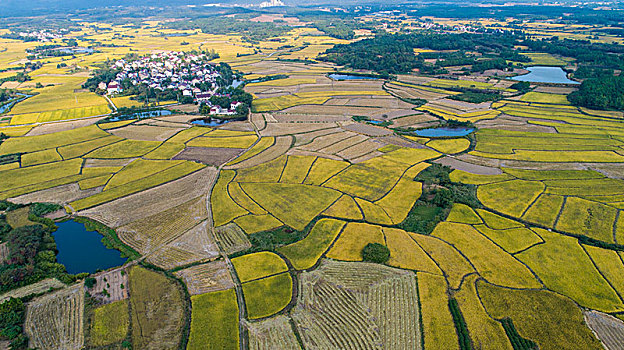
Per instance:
(154,200)
(279,129)
(325,141)
(35,288)
(309,118)
(306,138)
(272,333)
(258,120)
(115,282)
(211,156)
(94,163)
(359,150)
(56,127)
(55,321)
(232,238)
(60,195)
(151,233)
(146,132)
(211,277)
(193,246)
(157,306)
(281,146)
(343,144)
(609,329)
(368,130)
(413,120)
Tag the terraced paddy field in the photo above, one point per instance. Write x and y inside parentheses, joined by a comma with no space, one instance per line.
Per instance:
(252,235)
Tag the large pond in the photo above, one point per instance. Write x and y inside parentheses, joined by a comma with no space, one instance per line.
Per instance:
(542,74)
(336,76)
(444,132)
(83,251)
(139,115)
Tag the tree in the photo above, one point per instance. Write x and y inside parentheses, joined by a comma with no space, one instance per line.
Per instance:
(376,253)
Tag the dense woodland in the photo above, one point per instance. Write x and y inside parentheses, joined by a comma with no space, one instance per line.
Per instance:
(394,53)
(32,250)
(603,93)
(251,31)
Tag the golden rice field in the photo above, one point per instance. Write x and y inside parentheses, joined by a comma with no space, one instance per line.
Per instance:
(268,251)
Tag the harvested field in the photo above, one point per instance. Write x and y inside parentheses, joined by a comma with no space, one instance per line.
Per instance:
(417,120)
(57,127)
(149,234)
(609,329)
(153,201)
(146,132)
(258,120)
(211,277)
(96,163)
(274,333)
(368,130)
(157,310)
(309,118)
(328,140)
(114,282)
(344,304)
(343,144)
(193,246)
(355,152)
(468,167)
(279,129)
(231,238)
(35,288)
(345,111)
(281,146)
(55,321)
(210,156)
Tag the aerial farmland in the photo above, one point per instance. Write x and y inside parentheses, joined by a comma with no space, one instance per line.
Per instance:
(280,176)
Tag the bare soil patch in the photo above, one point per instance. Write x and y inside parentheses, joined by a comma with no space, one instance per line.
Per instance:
(110,286)
(609,329)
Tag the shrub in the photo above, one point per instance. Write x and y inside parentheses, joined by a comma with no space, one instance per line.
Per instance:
(375,252)
(90,282)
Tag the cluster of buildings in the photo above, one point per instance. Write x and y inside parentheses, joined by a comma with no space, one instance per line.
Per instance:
(43,35)
(191,74)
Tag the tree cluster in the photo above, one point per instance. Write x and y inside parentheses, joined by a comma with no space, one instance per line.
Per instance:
(605,93)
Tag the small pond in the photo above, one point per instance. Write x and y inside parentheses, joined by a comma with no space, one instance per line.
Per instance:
(336,76)
(76,50)
(83,251)
(210,121)
(444,132)
(542,74)
(139,115)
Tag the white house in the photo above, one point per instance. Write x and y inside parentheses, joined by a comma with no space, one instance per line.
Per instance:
(113,88)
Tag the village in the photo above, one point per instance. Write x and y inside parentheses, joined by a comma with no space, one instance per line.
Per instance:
(191,74)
